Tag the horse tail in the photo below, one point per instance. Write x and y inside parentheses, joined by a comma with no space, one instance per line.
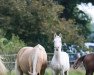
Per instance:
(78,62)
(3,69)
(35,60)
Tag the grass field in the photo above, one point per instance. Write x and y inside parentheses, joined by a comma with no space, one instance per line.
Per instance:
(78,71)
(71,72)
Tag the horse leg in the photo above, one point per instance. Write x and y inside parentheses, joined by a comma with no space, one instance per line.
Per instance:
(42,72)
(44,66)
(62,73)
(53,72)
(57,72)
(66,73)
(89,72)
(19,71)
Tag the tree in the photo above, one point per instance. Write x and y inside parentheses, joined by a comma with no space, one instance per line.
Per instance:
(71,12)
(36,21)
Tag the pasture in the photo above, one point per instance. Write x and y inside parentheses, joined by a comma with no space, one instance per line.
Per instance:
(79,71)
(10,62)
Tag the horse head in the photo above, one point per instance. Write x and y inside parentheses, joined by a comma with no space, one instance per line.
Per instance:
(57,42)
(78,62)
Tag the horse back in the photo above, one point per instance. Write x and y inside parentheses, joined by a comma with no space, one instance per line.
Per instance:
(21,51)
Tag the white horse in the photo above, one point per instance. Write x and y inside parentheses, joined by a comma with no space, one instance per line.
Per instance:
(60,61)
(3,70)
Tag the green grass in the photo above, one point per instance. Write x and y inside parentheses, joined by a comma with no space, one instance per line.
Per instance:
(76,72)
(49,72)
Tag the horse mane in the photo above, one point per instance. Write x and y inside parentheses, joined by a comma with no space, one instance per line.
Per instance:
(78,62)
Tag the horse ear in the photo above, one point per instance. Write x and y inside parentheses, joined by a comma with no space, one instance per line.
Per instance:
(55,35)
(60,35)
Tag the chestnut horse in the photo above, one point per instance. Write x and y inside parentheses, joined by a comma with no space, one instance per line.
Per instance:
(88,62)
(31,60)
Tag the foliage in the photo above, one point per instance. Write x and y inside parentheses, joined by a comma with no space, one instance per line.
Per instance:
(10,46)
(36,21)
(71,12)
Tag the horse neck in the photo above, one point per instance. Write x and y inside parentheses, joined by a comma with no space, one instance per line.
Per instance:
(57,55)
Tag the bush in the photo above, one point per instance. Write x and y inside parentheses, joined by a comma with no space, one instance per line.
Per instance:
(11,46)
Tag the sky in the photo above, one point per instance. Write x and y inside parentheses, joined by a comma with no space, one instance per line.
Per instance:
(89,10)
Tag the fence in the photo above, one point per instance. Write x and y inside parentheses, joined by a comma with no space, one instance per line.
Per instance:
(9,60)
